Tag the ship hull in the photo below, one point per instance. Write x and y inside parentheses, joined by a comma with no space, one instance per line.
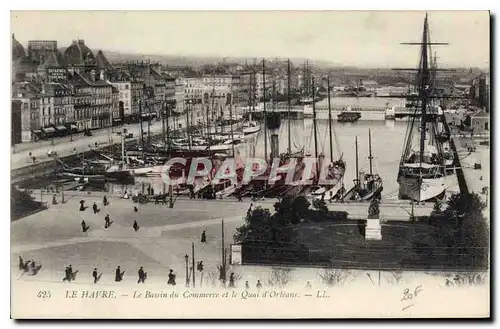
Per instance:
(419,190)
(251,130)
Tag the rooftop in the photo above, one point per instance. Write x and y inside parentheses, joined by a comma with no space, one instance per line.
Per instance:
(79,54)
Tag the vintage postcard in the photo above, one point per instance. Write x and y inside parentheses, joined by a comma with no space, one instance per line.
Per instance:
(250,164)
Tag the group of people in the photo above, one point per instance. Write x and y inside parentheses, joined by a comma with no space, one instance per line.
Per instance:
(69,274)
(29,266)
(107,219)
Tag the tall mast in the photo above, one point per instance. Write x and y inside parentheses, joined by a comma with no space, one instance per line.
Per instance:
(187,123)
(265,113)
(164,133)
(357,164)
(213,102)
(273,104)
(254,85)
(167,137)
(370,156)
(424,85)
(123,147)
(231,117)
(142,133)
(330,120)
(315,127)
(423,82)
(289,110)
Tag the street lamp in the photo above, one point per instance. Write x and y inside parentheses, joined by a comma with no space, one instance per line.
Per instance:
(187,270)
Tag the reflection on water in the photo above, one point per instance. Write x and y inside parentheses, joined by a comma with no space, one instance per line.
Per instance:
(387,143)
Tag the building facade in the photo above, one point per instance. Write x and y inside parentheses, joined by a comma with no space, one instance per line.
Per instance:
(94,101)
(480,92)
(27,96)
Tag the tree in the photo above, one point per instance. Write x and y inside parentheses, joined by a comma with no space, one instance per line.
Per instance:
(436,209)
(22,203)
(334,277)
(280,277)
(462,231)
(464,206)
(266,237)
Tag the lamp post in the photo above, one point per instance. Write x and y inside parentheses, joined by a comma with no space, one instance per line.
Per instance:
(187,270)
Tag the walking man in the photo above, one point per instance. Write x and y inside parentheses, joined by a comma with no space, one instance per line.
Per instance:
(203,237)
(84,226)
(95,276)
(231,280)
(119,274)
(142,275)
(67,276)
(171,278)
(107,221)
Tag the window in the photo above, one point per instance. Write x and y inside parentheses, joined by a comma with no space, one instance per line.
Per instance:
(486,126)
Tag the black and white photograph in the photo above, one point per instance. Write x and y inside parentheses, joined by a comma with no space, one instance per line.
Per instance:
(250,164)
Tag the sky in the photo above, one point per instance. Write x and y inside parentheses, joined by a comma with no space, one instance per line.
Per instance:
(362,38)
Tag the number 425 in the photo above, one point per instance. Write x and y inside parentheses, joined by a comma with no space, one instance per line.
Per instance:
(43,294)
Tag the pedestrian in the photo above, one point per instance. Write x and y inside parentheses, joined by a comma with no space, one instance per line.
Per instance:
(96,144)
(54,200)
(21,263)
(231,280)
(94,275)
(152,191)
(105,201)
(135,226)
(82,205)
(119,274)
(259,285)
(142,275)
(33,265)
(149,190)
(107,221)
(171,278)
(72,275)
(135,209)
(67,276)
(203,237)
(94,207)
(247,286)
(84,226)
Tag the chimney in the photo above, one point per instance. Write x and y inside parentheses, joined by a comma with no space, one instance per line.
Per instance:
(92,75)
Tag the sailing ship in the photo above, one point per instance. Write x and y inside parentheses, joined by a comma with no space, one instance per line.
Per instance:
(421,169)
(366,185)
(335,169)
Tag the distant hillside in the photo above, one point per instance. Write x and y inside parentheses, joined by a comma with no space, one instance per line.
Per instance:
(195,61)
